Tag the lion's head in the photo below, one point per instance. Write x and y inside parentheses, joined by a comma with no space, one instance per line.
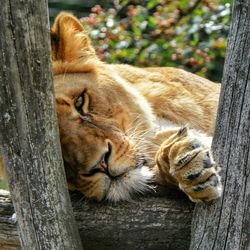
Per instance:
(102,120)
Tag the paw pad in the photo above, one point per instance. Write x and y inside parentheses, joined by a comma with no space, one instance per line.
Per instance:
(207,162)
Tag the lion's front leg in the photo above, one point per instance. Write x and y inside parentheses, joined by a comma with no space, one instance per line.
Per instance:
(185,159)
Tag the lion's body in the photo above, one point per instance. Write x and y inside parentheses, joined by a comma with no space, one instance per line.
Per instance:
(175,95)
(120,125)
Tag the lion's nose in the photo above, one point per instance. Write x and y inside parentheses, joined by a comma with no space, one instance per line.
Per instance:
(103,164)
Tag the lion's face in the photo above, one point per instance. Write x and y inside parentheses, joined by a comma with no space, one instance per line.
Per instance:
(101,155)
(98,120)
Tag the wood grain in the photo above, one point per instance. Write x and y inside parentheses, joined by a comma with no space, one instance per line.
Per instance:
(226,223)
(29,131)
(161,220)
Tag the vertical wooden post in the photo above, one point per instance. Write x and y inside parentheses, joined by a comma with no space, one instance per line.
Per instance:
(226,224)
(28,129)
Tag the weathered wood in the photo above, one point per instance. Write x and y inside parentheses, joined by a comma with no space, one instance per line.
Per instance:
(28,129)
(158,221)
(226,224)
(8,233)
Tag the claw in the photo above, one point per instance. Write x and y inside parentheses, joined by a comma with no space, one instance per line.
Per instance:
(207,162)
(183,131)
(192,177)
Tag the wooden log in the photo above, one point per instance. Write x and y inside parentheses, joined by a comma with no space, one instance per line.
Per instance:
(158,221)
(8,232)
(226,223)
(29,136)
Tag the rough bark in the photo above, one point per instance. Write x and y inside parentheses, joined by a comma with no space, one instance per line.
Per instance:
(226,224)
(159,221)
(28,129)
(8,233)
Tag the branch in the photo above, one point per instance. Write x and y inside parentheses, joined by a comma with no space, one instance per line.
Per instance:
(158,221)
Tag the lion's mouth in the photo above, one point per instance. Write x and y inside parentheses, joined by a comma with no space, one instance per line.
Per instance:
(137,180)
(126,186)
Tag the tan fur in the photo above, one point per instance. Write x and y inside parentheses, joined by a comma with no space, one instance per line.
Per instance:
(176,95)
(3,173)
(125,104)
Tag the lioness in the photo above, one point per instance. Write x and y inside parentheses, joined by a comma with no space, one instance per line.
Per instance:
(122,127)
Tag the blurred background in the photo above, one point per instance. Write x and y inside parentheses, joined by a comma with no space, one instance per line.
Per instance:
(190,34)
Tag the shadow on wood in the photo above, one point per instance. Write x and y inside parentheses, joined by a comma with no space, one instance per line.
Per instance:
(158,221)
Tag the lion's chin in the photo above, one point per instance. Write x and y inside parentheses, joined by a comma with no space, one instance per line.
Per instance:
(136,181)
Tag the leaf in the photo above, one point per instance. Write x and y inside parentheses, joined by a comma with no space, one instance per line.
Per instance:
(151,4)
(184,4)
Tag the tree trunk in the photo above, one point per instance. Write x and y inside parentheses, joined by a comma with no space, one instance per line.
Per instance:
(226,223)
(160,221)
(28,129)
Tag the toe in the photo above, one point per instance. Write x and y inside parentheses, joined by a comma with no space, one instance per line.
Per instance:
(206,191)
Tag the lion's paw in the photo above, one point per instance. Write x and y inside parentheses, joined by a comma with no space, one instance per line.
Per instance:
(189,161)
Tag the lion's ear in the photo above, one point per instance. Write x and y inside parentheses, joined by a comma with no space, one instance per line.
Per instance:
(69,40)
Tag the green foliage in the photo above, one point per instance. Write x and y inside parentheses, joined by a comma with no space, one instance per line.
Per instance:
(189,34)
(3,185)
